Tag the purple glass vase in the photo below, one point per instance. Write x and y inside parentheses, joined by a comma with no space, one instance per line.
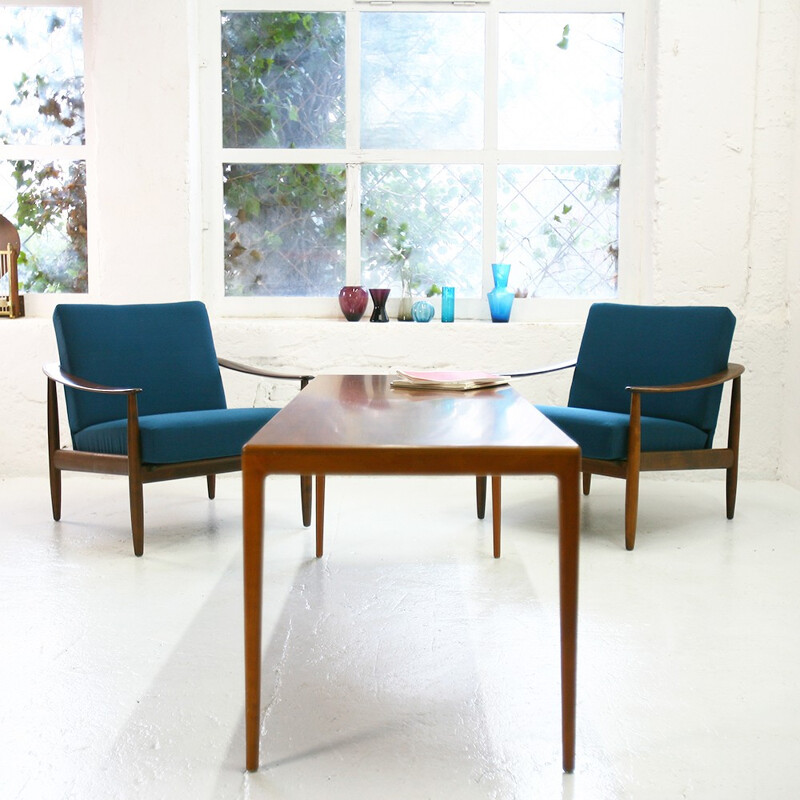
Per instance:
(353,302)
(379,297)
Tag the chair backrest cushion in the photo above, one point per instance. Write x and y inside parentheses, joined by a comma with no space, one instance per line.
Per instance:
(165,349)
(631,345)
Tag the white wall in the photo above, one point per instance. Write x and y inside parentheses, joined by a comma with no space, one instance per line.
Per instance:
(788,382)
(723,142)
(138,78)
(726,141)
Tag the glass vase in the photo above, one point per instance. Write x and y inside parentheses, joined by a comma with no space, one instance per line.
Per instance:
(500,298)
(422,311)
(353,302)
(379,297)
(406,303)
(448,303)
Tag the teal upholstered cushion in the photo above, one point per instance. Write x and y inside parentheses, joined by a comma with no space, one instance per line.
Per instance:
(180,436)
(604,434)
(165,349)
(629,345)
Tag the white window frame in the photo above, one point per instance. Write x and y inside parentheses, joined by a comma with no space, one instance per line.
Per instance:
(633,198)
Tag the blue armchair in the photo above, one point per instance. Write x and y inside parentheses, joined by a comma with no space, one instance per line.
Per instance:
(145,399)
(645,396)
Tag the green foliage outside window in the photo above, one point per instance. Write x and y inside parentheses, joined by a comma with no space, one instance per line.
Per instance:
(422,91)
(283,80)
(283,87)
(42,105)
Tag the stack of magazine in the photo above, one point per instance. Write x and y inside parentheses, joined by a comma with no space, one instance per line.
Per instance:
(458,381)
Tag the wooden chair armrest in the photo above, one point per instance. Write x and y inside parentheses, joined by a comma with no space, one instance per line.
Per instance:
(543,370)
(55,373)
(733,371)
(263,373)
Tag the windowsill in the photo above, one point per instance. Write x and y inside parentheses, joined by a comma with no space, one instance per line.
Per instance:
(526,311)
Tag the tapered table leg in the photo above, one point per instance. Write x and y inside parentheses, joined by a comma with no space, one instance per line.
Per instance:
(305,499)
(568,544)
(480,495)
(253,546)
(320,514)
(496,514)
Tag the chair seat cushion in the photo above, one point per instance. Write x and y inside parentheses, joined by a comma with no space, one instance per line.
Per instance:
(179,436)
(604,434)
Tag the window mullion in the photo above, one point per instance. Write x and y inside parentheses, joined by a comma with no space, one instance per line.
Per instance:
(490,165)
(353,144)
(353,238)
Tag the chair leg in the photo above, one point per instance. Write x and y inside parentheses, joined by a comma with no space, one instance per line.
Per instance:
(305,499)
(587,482)
(731,481)
(480,495)
(632,470)
(55,491)
(211,480)
(732,473)
(135,490)
(53,444)
(135,476)
(631,508)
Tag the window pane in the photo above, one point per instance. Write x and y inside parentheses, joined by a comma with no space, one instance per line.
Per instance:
(284,229)
(422,224)
(558,228)
(283,79)
(47,202)
(560,83)
(41,76)
(422,80)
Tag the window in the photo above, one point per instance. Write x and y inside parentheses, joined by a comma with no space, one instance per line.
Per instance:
(413,145)
(42,143)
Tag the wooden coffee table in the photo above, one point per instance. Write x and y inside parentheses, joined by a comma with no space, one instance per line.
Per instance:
(360,425)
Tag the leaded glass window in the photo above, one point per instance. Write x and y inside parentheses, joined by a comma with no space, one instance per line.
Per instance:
(42,138)
(389,146)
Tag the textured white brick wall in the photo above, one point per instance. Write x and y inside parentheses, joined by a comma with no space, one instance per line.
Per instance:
(787,382)
(724,151)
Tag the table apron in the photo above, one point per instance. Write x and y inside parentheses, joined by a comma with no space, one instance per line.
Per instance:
(561,462)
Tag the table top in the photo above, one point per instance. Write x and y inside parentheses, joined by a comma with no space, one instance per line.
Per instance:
(364,412)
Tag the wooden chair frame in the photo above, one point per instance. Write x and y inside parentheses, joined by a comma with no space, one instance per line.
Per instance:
(66,459)
(629,469)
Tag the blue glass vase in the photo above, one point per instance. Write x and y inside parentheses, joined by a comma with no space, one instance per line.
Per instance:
(448,303)
(422,311)
(500,298)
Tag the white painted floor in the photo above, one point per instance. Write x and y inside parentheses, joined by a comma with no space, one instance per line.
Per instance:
(407,663)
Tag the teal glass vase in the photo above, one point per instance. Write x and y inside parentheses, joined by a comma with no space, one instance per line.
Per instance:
(500,298)
(448,303)
(422,311)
